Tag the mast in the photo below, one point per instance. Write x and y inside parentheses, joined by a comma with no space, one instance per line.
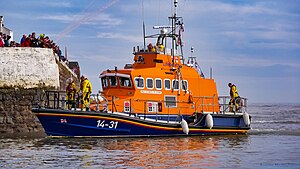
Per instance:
(177,22)
(144,35)
(173,32)
(144,31)
(169,31)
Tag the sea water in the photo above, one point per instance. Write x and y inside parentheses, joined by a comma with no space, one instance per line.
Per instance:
(273,142)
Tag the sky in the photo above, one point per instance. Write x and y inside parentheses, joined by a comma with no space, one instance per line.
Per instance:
(253,44)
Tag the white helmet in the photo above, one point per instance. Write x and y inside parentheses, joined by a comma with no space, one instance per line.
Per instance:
(69,80)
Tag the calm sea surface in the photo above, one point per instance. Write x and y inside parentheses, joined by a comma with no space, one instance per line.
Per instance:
(273,142)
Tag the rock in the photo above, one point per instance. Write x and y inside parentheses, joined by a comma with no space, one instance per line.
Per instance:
(9,120)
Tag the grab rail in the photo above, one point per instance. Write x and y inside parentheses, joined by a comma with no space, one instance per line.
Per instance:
(225,107)
(57,100)
(207,102)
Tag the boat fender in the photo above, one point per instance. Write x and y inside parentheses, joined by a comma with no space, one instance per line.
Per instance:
(209,121)
(246,118)
(185,127)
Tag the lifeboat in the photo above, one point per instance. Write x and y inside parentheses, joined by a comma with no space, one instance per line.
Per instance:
(160,94)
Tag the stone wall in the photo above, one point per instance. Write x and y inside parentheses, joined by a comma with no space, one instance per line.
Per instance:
(25,73)
(15,110)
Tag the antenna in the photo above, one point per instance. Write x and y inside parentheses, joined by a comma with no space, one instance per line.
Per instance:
(144,29)
(66,53)
(175,5)
(174,29)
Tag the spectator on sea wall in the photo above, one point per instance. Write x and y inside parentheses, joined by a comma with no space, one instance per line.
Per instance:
(41,40)
(26,42)
(46,42)
(22,39)
(33,40)
(14,44)
(1,40)
(6,41)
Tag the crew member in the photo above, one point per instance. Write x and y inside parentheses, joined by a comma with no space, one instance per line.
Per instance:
(86,90)
(161,47)
(151,48)
(71,90)
(234,95)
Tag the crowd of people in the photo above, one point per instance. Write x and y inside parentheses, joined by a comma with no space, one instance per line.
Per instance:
(31,41)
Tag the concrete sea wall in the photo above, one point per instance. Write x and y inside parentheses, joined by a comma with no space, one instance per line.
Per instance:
(25,73)
(28,68)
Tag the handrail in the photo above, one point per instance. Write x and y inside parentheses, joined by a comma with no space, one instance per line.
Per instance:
(57,100)
(204,103)
(224,104)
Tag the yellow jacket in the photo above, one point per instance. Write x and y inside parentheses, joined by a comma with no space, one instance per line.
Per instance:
(233,92)
(71,88)
(86,86)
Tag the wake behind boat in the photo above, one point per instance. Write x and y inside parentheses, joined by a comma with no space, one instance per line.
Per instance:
(158,95)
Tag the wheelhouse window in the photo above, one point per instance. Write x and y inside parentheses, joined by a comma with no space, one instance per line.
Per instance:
(170,101)
(184,85)
(104,82)
(158,84)
(149,83)
(112,80)
(139,82)
(125,82)
(167,84)
(175,84)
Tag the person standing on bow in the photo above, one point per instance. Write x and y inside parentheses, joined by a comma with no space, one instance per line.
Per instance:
(234,95)
(71,90)
(86,90)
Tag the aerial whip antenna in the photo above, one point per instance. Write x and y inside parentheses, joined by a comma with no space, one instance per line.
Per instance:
(174,29)
(144,29)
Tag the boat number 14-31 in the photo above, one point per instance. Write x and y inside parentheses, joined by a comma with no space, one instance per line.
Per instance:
(111,124)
